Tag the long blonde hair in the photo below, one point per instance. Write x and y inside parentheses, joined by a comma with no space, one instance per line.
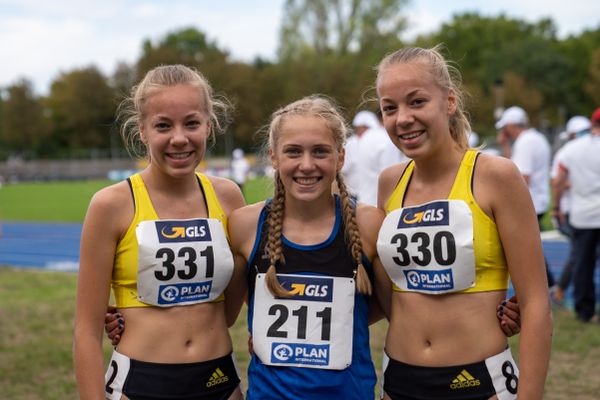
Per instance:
(322,107)
(446,77)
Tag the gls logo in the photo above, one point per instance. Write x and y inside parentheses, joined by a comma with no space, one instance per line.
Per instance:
(308,288)
(431,214)
(195,230)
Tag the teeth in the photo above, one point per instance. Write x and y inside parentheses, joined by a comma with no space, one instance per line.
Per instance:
(306,181)
(180,156)
(410,135)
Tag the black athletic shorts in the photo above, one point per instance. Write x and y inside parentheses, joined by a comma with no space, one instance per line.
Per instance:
(495,376)
(140,380)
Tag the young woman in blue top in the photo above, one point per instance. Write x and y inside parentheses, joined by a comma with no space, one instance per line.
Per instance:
(309,256)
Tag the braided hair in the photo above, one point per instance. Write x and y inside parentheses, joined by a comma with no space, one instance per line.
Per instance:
(321,107)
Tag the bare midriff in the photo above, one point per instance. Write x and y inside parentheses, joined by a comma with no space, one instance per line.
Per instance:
(444,330)
(183,334)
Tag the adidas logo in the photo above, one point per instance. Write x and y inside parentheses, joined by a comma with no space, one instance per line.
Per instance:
(464,380)
(217,378)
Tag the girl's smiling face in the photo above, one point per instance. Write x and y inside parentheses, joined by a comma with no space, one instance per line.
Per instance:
(175,128)
(307,157)
(415,109)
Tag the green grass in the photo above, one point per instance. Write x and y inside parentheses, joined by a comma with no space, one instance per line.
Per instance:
(68,201)
(35,334)
(258,189)
(47,201)
(36,321)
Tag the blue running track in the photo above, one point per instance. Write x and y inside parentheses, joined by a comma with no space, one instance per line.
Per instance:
(37,245)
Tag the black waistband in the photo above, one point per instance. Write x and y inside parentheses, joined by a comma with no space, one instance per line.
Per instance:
(212,380)
(459,382)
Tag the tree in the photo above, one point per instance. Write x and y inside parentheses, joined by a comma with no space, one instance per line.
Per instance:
(186,46)
(339,27)
(331,47)
(582,51)
(23,125)
(123,79)
(81,106)
(493,49)
(592,87)
(233,80)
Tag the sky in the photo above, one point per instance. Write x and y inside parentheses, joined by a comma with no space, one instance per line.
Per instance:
(40,39)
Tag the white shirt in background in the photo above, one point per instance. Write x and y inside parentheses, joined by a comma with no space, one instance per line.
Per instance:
(375,153)
(581,158)
(531,153)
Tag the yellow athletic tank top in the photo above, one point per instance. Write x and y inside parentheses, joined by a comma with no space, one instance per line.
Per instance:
(124,277)
(491,271)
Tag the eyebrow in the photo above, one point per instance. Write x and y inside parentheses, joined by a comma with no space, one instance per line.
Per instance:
(193,114)
(413,92)
(312,146)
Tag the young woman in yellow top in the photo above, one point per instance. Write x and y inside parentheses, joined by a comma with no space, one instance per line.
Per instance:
(458,223)
(159,239)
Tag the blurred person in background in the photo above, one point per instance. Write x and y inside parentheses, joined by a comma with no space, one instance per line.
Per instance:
(579,166)
(368,152)
(576,127)
(473,139)
(240,167)
(530,151)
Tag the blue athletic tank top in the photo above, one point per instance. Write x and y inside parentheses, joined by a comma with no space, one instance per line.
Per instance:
(331,258)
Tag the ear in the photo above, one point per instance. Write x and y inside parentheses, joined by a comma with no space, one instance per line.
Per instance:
(143,137)
(274,162)
(452,102)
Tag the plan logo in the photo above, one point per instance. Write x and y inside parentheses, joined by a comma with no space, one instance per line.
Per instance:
(429,280)
(308,288)
(299,353)
(184,292)
(196,230)
(432,214)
